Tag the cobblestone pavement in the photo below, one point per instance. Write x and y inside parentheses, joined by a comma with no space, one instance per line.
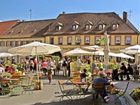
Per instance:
(49,96)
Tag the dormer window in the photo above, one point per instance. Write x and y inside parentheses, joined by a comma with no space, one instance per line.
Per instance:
(88,26)
(59,26)
(75,26)
(101,26)
(115,26)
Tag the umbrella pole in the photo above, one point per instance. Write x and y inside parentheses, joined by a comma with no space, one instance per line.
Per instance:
(38,84)
(37,68)
(37,65)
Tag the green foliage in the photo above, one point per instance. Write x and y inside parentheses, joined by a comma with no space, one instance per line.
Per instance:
(101,41)
(136,94)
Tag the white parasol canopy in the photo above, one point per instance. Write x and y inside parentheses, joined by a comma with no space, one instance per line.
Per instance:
(132,49)
(94,48)
(77,52)
(122,55)
(4,54)
(35,48)
(102,53)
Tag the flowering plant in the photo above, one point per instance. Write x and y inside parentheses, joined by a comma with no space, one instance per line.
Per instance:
(135,94)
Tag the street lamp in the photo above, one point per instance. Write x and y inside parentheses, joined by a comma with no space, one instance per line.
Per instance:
(106,50)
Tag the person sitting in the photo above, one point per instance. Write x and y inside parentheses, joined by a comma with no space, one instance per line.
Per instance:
(83,75)
(101,83)
(84,78)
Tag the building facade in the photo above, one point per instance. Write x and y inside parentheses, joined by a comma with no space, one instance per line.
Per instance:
(74,30)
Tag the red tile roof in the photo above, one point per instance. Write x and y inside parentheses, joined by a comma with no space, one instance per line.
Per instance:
(34,28)
(5,25)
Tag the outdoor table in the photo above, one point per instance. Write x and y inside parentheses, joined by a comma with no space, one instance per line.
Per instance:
(81,86)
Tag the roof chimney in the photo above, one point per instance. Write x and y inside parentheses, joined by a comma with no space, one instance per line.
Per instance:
(125,16)
(63,12)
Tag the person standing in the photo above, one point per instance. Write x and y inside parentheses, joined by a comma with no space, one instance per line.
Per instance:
(64,67)
(49,70)
(44,66)
(123,71)
(130,71)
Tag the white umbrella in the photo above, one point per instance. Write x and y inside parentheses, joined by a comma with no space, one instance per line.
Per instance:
(122,55)
(77,52)
(4,54)
(102,53)
(35,48)
(94,48)
(133,50)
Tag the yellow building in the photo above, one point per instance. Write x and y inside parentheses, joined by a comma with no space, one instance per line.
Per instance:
(74,30)
(83,29)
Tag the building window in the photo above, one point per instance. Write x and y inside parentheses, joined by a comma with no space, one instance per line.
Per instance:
(117,40)
(75,27)
(88,26)
(87,40)
(69,40)
(7,43)
(78,40)
(97,38)
(51,40)
(22,43)
(12,43)
(16,43)
(115,26)
(2,43)
(101,26)
(128,40)
(58,28)
(60,40)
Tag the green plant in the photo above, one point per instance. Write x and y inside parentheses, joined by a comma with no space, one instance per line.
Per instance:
(135,94)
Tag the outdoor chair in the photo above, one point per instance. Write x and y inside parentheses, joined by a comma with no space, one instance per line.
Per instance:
(27,84)
(121,93)
(67,91)
(98,90)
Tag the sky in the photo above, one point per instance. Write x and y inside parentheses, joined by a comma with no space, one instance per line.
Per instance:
(50,9)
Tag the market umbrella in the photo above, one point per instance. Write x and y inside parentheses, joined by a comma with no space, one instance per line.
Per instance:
(101,52)
(133,50)
(4,54)
(122,55)
(35,48)
(93,48)
(77,52)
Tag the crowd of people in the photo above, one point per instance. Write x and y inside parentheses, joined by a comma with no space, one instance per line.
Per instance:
(87,66)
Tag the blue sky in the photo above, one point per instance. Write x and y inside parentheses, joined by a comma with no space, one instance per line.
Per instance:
(46,9)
